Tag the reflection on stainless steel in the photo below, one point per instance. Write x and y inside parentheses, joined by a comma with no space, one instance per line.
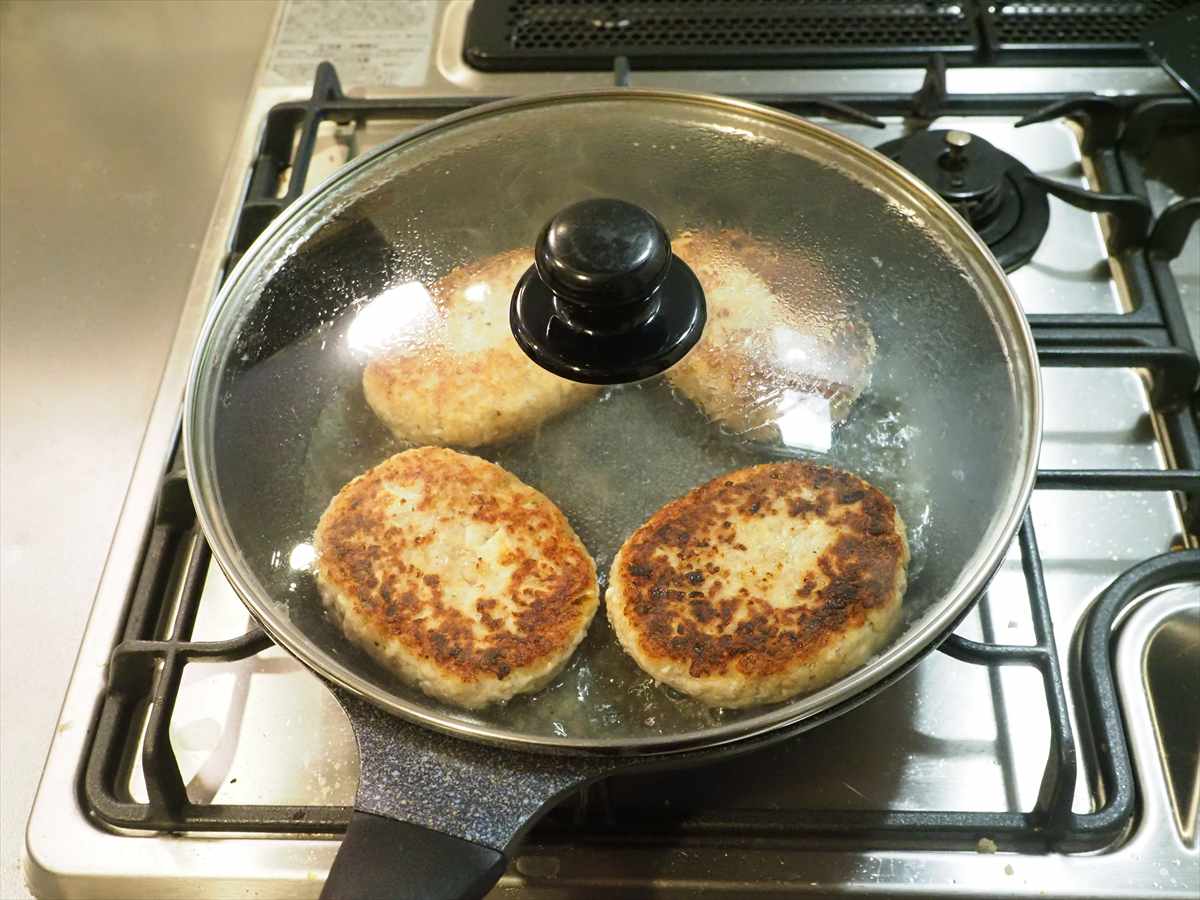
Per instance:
(1167,846)
(948,736)
(1172,680)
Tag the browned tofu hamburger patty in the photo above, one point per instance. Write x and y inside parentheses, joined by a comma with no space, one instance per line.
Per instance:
(761,584)
(456,575)
(782,348)
(457,377)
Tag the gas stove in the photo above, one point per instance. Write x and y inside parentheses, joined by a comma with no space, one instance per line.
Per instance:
(1049,750)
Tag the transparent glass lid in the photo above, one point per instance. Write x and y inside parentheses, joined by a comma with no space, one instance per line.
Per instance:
(848,317)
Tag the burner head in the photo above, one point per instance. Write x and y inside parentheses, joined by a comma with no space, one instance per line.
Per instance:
(986,186)
(966,171)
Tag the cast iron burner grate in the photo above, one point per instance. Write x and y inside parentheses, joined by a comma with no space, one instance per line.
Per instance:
(148,662)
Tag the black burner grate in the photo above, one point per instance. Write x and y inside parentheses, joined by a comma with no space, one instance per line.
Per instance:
(148,662)
(572,34)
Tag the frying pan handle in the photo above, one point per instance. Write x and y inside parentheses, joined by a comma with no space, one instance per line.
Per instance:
(383,859)
(435,815)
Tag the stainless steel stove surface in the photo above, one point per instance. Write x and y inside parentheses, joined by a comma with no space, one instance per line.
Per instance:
(266,757)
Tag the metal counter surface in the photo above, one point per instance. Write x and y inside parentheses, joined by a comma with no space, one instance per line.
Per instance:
(116,121)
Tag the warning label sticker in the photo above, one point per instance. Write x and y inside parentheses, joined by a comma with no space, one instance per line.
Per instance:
(372,43)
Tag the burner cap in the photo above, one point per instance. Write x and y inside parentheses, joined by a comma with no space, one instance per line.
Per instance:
(985,185)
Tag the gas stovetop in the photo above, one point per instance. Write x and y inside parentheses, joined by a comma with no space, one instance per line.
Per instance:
(1050,749)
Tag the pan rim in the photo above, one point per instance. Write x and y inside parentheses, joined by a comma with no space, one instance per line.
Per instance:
(1008,319)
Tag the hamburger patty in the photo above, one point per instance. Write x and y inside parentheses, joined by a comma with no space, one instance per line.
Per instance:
(457,376)
(760,584)
(782,350)
(456,575)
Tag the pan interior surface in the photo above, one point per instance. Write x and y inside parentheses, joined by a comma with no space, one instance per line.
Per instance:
(276,421)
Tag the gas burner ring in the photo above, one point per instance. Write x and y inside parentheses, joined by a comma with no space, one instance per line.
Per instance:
(983,184)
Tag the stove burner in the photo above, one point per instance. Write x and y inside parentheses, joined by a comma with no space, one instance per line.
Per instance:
(986,186)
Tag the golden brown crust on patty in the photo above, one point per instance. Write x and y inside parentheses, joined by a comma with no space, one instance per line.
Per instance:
(460,379)
(780,334)
(456,574)
(761,583)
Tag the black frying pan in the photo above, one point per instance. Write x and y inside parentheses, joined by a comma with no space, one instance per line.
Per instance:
(275,425)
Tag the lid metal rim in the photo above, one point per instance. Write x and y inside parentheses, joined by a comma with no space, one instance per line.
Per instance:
(1022,361)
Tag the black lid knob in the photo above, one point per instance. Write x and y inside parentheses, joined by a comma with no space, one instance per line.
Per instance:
(605,252)
(605,301)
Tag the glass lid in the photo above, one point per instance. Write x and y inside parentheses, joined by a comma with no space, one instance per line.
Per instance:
(616,297)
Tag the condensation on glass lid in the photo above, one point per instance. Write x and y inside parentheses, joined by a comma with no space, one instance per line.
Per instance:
(786,351)
(593,463)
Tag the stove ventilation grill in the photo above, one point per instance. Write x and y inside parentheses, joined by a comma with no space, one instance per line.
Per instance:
(1024,32)
(532,35)
(571,34)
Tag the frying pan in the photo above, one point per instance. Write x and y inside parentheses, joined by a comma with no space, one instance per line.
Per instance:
(275,424)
